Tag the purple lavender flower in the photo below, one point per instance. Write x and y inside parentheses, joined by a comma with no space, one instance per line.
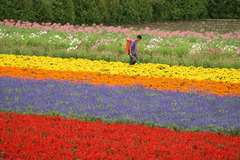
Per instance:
(185,110)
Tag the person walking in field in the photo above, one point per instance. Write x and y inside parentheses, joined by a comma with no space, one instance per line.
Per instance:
(133,51)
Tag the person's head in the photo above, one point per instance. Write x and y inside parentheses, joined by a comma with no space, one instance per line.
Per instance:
(139,37)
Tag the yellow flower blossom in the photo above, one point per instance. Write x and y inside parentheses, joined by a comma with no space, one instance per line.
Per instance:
(148,70)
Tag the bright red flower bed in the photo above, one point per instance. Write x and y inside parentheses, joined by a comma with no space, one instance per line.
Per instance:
(51,137)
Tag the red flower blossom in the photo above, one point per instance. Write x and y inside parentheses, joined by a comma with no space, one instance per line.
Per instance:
(51,137)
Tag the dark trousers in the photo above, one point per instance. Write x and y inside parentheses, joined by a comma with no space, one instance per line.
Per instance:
(133,59)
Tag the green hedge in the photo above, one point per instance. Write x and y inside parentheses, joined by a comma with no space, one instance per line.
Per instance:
(116,12)
(224,9)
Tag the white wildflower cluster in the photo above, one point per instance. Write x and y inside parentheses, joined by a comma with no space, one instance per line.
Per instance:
(211,47)
(171,44)
(72,48)
(154,44)
(105,41)
(156,40)
(42,32)
(196,48)
(22,37)
(74,42)
(151,47)
(2,35)
(34,35)
(100,43)
(55,37)
(160,42)
(229,48)
(17,36)
(70,36)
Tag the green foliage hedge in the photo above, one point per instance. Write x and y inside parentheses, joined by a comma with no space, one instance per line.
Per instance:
(116,12)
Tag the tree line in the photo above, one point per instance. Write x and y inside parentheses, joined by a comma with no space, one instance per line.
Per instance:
(117,12)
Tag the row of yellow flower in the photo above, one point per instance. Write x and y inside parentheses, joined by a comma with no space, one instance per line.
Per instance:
(148,70)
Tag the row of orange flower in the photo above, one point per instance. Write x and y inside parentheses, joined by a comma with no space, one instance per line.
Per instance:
(161,83)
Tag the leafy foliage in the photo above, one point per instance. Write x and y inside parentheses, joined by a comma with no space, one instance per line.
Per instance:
(116,12)
(224,9)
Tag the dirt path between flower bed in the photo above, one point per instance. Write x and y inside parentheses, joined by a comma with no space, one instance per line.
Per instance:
(216,25)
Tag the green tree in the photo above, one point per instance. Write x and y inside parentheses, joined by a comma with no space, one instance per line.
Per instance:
(103,11)
(145,10)
(9,9)
(42,11)
(161,10)
(78,9)
(194,9)
(5,11)
(63,11)
(224,8)
(108,12)
(130,14)
(25,10)
(87,12)
(69,11)
(176,11)
(115,11)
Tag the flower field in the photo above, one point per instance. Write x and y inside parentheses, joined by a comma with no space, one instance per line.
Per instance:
(44,137)
(98,42)
(72,107)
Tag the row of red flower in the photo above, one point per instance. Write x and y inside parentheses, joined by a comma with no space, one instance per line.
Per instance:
(51,137)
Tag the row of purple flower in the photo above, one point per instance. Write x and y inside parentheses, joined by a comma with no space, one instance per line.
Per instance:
(188,111)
